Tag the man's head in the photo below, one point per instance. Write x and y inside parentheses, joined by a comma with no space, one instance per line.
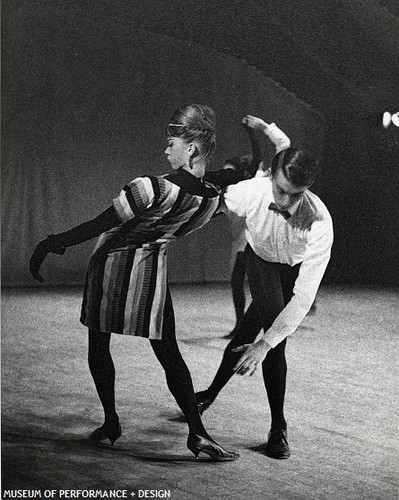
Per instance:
(241,164)
(238,162)
(293,171)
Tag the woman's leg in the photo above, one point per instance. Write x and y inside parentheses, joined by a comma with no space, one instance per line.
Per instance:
(177,374)
(180,385)
(103,372)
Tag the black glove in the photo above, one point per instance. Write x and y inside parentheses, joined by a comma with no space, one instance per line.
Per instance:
(50,244)
(56,243)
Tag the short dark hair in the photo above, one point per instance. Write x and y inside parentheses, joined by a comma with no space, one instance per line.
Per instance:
(242,165)
(298,165)
(194,123)
(240,162)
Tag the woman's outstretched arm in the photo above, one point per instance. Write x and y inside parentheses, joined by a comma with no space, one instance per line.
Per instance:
(57,243)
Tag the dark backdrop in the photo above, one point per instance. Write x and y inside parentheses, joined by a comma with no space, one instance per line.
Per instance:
(86,104)
(86,96)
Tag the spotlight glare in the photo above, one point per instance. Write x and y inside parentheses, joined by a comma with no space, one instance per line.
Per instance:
(386,119)
(395,119)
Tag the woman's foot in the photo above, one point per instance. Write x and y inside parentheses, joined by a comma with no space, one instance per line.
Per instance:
(199,444)
(111,430)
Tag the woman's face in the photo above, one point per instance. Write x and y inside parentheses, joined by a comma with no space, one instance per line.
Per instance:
(178,152)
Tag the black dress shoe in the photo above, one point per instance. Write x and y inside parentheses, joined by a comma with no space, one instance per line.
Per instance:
(203,401)
(277,444)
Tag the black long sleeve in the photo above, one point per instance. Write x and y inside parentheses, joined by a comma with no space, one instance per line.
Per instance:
(56,243)
(88,230)
(223,177)
(227,176)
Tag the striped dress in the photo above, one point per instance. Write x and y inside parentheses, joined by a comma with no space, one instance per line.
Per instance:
(126,281)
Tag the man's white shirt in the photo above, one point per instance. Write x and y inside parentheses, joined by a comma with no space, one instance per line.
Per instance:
(306,237)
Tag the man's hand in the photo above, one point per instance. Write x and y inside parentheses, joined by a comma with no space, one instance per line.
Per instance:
(254,122)
(253,355)
(276,136)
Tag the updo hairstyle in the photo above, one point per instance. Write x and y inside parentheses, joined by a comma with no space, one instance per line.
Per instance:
(194,123)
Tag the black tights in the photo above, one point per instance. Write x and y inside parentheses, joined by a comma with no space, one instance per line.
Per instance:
(271,287)
(274,366)
(237,286)
(103,371)
(167,352)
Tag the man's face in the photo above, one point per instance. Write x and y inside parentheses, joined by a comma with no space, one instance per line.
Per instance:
(285,193)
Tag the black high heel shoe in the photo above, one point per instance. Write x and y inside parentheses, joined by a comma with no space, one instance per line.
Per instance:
(111,431)
(199,444)
(203,402)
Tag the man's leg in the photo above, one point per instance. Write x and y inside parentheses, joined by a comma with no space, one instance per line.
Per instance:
(271,287)
(247,331)
(238,290)
(266,290)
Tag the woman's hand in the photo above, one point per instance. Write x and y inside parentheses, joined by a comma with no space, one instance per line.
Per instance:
(50,244)
(38,256)
(253,355)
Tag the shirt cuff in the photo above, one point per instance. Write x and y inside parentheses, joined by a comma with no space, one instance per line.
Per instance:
(273,338)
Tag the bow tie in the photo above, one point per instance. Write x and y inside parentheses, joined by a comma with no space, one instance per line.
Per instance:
(284,213)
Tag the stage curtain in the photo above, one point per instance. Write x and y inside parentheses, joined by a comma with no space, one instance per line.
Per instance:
(85,104)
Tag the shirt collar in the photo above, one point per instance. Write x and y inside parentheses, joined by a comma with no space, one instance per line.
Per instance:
(294,207)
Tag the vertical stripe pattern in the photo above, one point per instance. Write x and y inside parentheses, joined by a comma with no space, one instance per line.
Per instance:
(126,282)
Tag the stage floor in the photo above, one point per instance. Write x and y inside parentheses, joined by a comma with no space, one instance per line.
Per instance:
(341,403)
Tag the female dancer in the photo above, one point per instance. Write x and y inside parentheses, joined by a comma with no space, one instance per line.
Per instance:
(126,288)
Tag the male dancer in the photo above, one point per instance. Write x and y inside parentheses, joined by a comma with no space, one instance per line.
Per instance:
(289,232)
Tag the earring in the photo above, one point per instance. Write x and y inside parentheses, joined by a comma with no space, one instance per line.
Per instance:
(190,162)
